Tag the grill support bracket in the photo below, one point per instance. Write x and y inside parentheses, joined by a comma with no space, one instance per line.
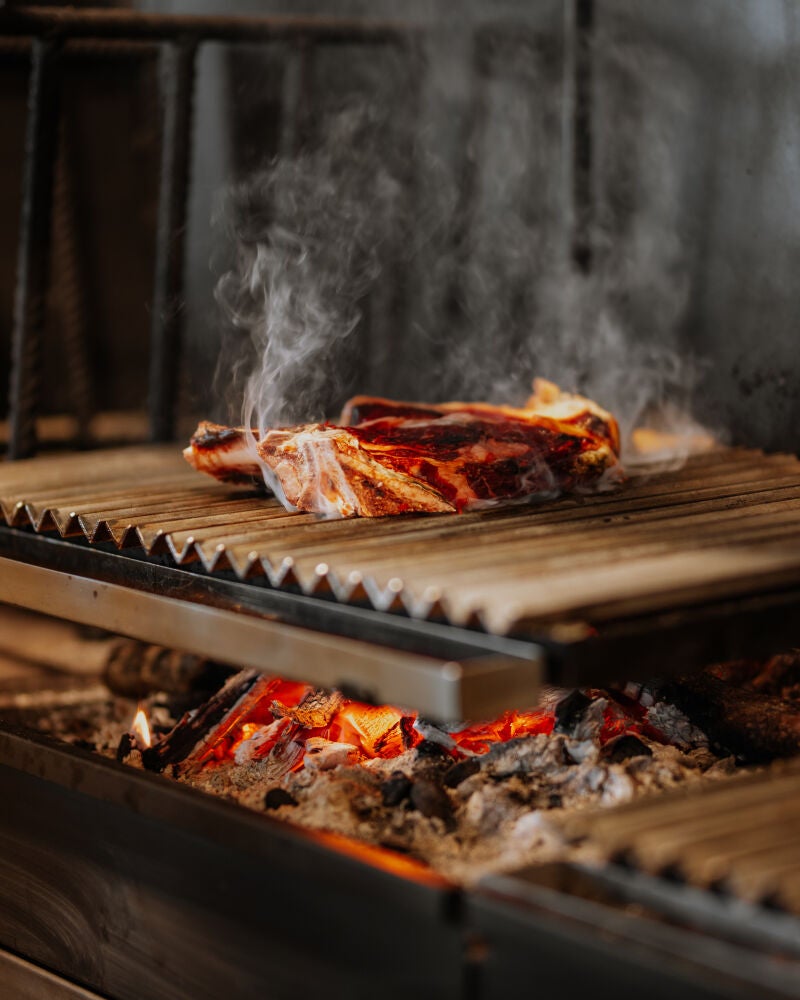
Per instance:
(442,689)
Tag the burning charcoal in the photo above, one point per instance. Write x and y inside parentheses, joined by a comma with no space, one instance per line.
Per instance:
(395,789)
(277,797)
(434,752)
(460,771)
(324,755)
(432,801)
(429,731)
(624,747)
(262,741)
(200,730)
(674,726)
(315,711)
(570,712)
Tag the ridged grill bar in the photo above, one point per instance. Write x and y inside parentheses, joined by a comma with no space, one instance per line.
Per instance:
(741,837)
(724,526)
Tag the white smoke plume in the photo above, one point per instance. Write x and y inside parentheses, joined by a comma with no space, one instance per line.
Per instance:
(488,295)
(308,234)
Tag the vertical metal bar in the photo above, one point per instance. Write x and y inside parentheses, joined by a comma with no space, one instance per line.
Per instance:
(33,256)
(68,280)
(582,144)
(177,87)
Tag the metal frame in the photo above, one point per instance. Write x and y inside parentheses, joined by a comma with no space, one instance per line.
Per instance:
(126,857)
(148,888)
(179,37)
(658,645)
(545,921)
(447,675)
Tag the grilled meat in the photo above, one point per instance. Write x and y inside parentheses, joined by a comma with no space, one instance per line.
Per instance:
(225,453)
(394,458)
(327,470)
(547,400)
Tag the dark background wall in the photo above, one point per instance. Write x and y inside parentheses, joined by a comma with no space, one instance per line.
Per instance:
(695,223)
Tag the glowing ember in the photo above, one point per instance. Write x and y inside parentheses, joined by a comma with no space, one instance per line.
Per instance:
(140,727)
(322,729)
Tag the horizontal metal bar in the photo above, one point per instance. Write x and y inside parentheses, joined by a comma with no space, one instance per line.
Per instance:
(133,569)
(23,979)
(70,22)
(443,690)
(662,958)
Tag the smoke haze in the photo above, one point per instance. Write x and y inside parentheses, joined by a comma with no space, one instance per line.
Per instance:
(417,245)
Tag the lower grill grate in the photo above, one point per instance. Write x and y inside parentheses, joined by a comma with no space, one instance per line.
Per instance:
(741,838)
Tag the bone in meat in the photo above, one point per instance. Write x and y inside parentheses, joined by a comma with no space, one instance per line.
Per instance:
(225,453)
(395,457)
(450,463)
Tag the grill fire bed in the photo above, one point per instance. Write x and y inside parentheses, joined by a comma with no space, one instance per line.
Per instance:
(146,888)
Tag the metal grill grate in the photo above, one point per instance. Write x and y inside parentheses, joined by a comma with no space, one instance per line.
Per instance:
(740,837)
(723,526)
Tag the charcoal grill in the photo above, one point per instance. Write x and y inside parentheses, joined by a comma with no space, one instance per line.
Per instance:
(456,617)
(485,607)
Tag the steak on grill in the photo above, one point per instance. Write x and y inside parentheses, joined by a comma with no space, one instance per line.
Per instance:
(394,458)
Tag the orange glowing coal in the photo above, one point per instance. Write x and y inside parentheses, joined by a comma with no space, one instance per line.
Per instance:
(296,722)
(140,728)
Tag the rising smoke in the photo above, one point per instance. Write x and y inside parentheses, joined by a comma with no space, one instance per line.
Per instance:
(418,246)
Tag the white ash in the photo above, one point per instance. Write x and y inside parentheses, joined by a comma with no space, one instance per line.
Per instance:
(485,813)
(497,819)
(679,729)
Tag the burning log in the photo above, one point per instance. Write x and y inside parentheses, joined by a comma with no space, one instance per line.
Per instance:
(200,730)
(755,727)
(316,710)
(136,669)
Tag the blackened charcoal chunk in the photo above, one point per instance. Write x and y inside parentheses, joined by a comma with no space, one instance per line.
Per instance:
(432,801)
(570,712)
(126,745)
(277,797)
(460,771)
(432,751)
(624,747)
(395,789)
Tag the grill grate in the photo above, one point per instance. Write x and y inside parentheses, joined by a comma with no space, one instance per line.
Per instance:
(741,837)
(722,527)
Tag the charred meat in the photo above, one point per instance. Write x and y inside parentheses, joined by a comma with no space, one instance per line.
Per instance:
(391,457)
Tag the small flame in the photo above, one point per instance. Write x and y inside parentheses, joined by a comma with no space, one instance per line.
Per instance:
(647,441)
(140,727)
